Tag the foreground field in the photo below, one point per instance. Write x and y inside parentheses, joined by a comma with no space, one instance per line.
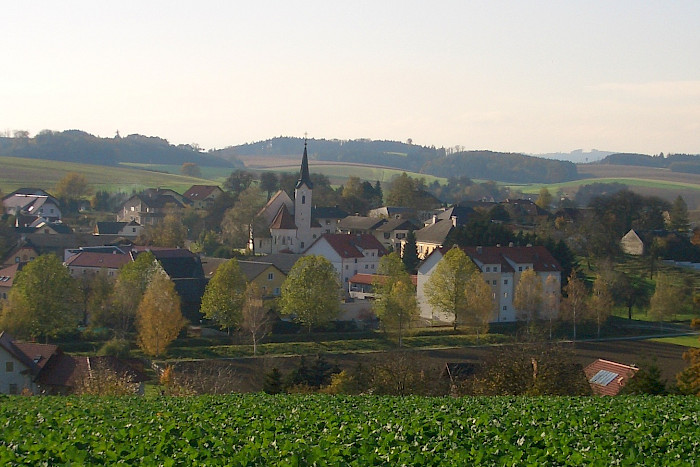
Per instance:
(260,429)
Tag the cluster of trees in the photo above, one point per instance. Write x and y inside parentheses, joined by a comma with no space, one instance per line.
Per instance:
(527,369)
(46,302)
(78,146)
(685,163)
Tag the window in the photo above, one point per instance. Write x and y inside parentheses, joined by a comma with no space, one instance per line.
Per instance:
(277,291)
(387,235)
(16,259)
(488,268)
(494,282)
(520,268)
(505,281)
(270,276)
(328,222)
(314,236)
(495,269)
(347,267)
(366,266)
(133,208)
(505,308)
(302,245)
(373,266)
(505,294)
(9,367)
(355,260)
(303,199)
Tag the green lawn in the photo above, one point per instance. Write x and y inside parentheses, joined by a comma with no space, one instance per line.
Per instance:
(685,341)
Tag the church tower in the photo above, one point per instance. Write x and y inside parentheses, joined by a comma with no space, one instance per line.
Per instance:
(303,191)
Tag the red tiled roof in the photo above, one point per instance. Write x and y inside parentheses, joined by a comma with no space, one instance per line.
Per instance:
(197,192)
(608,378)
(351,246)
(88,259)
(369,279)
(38,353)
(7,275)
(283,220)
(540,258)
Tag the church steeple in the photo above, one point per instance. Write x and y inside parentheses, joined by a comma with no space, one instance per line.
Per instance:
(304,178)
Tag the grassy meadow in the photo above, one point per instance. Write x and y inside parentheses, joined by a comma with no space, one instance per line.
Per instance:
(19,172)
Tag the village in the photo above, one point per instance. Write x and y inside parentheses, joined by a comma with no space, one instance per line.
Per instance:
(395,270)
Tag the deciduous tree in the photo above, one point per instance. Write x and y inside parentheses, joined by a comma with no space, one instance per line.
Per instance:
(679,215)
(574,304)
(480,303)
(544,200)
(225,296)
(129,288)
(395,303)
(238,221)
(256,319)
(528,296)
(665,301)
(159,317)
(238,182)
(190,169)
(310,292)
(73,186)
(551,300)
(43,301)
(601,301)
(446,286)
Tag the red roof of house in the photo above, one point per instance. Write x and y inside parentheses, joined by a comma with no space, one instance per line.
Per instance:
(283,219)
(197,192)
(369,279)
(540,258)
(351,246)
(7,275)
(608,378)
(89,259)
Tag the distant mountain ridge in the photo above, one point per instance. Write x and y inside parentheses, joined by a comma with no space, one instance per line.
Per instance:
(82,147)
(489,165)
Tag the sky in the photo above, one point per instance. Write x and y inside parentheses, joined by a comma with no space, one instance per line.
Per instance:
(515,76)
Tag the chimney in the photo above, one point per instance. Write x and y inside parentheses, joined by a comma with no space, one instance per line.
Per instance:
(434,219)
(454,221)
(480,249)
(510,244)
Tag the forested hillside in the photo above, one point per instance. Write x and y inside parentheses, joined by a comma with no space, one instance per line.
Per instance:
(684,163)
(504,167)
(441,162)
(78,146)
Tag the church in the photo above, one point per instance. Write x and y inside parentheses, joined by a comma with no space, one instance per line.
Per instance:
(286,225)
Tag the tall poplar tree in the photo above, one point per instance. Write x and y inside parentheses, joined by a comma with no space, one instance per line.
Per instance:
(446,286)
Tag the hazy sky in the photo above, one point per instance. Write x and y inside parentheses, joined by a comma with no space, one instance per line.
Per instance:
(509,76)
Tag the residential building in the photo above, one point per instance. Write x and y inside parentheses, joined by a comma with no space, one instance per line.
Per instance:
(90,263)
(151,206)
(349,254)
(203,196)
(32,202)
(7,278)
(131,229)
(501,268)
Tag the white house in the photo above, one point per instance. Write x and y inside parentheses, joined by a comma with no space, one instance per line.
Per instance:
(501,268)
(349,254)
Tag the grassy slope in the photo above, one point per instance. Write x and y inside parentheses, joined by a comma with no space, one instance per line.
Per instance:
(19,172)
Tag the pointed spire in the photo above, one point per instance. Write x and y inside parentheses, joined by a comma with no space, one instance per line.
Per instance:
(304,177)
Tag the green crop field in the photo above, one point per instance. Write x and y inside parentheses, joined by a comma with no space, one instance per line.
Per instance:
(259,429)
(19,172)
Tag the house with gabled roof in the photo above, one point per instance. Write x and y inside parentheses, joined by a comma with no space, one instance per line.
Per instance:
(433,236)
(21,254)
(349,254)
(328,217)
(203,196)
(89,263)
(31,368)
(392,234)
(151,206)
(501,268)
(607,378)
(131,229)
(32,202)
(7,278)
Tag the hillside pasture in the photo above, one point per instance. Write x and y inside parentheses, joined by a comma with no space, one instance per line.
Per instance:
(19,172)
